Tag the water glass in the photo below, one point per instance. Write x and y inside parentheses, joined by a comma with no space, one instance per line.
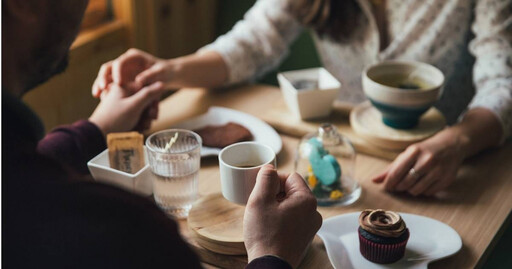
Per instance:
(174,157)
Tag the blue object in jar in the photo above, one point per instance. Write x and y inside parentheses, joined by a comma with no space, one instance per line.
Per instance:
(325,166)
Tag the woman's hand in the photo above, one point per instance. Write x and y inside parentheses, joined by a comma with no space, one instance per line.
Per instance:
(426,167)
(280,217)
(430,166)
(136,69)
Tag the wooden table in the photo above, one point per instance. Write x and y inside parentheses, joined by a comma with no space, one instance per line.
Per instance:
(477,205)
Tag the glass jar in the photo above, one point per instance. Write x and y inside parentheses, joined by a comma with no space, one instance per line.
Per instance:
(326,161)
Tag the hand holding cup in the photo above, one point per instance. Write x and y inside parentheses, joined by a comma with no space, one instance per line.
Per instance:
(280,217)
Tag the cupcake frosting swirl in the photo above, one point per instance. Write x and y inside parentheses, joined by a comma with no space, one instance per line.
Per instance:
(381,222)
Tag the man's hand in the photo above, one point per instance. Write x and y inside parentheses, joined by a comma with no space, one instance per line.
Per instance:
(280,217)
(121,111)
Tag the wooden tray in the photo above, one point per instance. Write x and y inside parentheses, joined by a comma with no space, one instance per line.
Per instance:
(218,224)
(282,119)
(366,121)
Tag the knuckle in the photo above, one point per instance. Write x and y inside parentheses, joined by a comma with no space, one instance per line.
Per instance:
(430,158)
(146,94)
(132,51)
(104,67)
(296,175)
(414,148)
(159,68)
(267,171)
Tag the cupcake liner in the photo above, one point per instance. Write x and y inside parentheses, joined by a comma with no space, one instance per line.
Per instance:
(380,252)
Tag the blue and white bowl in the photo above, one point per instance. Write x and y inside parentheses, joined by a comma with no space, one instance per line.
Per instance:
(402,108)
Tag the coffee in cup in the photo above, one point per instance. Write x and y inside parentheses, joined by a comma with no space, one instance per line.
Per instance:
(239,165)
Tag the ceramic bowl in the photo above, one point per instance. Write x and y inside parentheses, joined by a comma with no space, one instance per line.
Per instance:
(402,108)
(309,93)
(140,182)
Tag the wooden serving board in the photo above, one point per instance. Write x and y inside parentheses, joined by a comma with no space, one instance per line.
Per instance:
(218,224)
(282,119)
(366,121)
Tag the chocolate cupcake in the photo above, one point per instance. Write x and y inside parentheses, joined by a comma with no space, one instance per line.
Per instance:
(382,236)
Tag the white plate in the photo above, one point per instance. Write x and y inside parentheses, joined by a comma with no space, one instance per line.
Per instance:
(430,240)
(261,131)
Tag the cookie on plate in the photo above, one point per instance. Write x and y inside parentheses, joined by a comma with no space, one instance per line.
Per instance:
(220,136)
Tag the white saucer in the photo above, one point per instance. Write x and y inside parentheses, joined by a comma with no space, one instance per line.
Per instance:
(261,131)
(430,240)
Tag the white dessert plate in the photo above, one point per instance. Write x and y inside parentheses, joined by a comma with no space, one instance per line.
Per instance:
(430,240)
(261,131)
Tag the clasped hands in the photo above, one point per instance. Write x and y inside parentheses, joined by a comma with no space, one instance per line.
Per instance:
(129,92)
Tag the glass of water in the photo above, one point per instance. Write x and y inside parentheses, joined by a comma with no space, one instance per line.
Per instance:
(174,156)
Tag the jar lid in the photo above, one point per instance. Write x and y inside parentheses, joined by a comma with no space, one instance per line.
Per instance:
(329,135)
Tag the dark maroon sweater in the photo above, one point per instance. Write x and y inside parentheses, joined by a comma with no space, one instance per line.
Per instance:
(53,219)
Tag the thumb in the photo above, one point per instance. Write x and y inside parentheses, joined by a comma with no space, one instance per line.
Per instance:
(142,98)
(295,183)
(114,91)
(267,185)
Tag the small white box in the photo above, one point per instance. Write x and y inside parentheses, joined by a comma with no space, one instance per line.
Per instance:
(310,103)
(140,182)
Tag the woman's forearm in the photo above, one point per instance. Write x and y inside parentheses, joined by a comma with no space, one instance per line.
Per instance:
(205,69)
(479,129)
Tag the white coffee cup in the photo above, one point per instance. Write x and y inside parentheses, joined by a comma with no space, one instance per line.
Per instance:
(239,165)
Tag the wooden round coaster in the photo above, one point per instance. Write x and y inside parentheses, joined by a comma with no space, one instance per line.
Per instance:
(366,121)
(218,224)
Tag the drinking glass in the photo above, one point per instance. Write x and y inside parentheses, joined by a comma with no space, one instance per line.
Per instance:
(175,166)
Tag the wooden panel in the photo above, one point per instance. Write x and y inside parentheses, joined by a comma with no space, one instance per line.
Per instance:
(168,28)
(137,16)
(95,14)
(183,26)
(67,97)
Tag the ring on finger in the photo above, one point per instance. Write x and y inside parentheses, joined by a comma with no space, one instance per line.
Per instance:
(412,177)
(414,174)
